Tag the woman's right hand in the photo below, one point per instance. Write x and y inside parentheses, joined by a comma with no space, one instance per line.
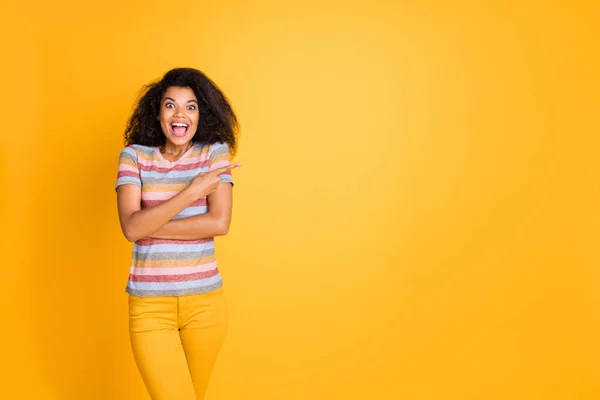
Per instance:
(207,182)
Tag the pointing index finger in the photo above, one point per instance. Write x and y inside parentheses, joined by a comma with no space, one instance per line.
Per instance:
(229,167)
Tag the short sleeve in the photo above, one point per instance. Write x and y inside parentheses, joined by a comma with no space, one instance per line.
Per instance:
(128,173)
(219,157)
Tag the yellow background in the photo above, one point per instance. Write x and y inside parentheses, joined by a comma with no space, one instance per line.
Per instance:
(416,218)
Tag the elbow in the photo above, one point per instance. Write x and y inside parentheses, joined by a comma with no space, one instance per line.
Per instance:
(130,235)
(223,228)
(220,224)
(131,239)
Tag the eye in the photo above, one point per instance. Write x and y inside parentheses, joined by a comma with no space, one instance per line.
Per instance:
(191,107)
(169,104)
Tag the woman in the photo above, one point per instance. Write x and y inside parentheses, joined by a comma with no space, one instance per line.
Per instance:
(174,194)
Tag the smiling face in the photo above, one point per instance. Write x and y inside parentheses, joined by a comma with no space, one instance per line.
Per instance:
(179,115)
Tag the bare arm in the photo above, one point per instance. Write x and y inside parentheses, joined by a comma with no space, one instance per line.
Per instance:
(137,223)
(215,222)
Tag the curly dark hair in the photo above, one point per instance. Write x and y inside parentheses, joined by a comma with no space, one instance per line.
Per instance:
(218,122)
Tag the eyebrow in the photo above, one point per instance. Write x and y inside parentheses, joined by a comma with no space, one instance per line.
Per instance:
(173,100)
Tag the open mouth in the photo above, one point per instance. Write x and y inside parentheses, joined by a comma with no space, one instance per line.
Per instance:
(179,129)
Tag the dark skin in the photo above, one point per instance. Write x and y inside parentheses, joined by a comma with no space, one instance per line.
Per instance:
(156,221)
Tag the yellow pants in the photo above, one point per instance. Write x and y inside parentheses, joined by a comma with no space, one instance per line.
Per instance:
(176,341)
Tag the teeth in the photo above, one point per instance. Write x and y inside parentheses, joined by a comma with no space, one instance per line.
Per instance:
(180,125)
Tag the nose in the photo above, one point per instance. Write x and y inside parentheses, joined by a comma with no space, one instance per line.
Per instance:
(180,111)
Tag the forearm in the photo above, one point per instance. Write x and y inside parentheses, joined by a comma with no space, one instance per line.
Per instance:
(215,222)
(192,228)
(142,223)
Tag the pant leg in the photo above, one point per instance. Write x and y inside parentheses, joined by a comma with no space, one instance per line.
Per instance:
(203,329)
(157,347)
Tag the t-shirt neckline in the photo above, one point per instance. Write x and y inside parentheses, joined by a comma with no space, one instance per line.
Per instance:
(184,155)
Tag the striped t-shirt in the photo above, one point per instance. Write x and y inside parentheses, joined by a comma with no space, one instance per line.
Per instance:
(165,267)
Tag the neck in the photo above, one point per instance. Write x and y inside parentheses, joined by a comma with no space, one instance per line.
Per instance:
(170,148)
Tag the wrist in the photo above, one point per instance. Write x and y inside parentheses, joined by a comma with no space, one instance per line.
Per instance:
(192,194)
